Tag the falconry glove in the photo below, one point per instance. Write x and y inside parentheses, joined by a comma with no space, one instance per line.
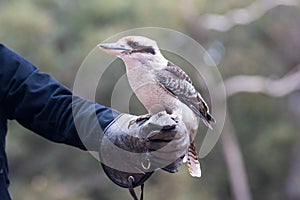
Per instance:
(133,147)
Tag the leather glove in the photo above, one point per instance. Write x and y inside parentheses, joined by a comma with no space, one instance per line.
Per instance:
(137,145)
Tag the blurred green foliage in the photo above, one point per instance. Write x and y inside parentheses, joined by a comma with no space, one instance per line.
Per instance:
(56,35)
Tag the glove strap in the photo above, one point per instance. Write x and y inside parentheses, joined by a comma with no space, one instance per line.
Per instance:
(131,190)
(128,180)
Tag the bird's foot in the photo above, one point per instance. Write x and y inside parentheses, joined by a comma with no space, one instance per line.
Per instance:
(138,119)
(174,117)
(171,115)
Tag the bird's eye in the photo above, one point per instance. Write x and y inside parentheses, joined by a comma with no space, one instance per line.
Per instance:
(133,44)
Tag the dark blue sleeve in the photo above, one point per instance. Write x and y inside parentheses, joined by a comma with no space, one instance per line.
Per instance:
(43,105)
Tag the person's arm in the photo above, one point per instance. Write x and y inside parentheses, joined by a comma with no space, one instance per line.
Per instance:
(43,105)
(46,107)
(129,152)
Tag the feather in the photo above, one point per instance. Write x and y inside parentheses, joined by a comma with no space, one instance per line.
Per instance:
(192,161)
(178,83)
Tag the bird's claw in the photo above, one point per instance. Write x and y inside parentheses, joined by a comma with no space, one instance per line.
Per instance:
(174,117)
(138,119)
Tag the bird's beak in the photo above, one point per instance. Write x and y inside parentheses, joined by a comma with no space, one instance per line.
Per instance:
(114,49)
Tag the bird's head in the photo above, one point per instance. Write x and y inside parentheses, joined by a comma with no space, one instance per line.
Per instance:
(133,47)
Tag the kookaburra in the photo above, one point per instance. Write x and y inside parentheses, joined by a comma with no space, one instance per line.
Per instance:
(162,86)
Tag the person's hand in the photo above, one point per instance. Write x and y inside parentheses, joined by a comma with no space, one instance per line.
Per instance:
(134,144)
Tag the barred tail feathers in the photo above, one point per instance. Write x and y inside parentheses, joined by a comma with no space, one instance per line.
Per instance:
(193,162)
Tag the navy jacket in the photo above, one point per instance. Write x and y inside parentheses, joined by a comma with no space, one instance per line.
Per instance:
(43,105)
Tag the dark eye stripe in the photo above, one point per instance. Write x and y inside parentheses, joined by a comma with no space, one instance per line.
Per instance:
(137,48)
(144,50)
(149,50)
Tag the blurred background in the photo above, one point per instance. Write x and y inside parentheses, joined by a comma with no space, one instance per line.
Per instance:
(256,45)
